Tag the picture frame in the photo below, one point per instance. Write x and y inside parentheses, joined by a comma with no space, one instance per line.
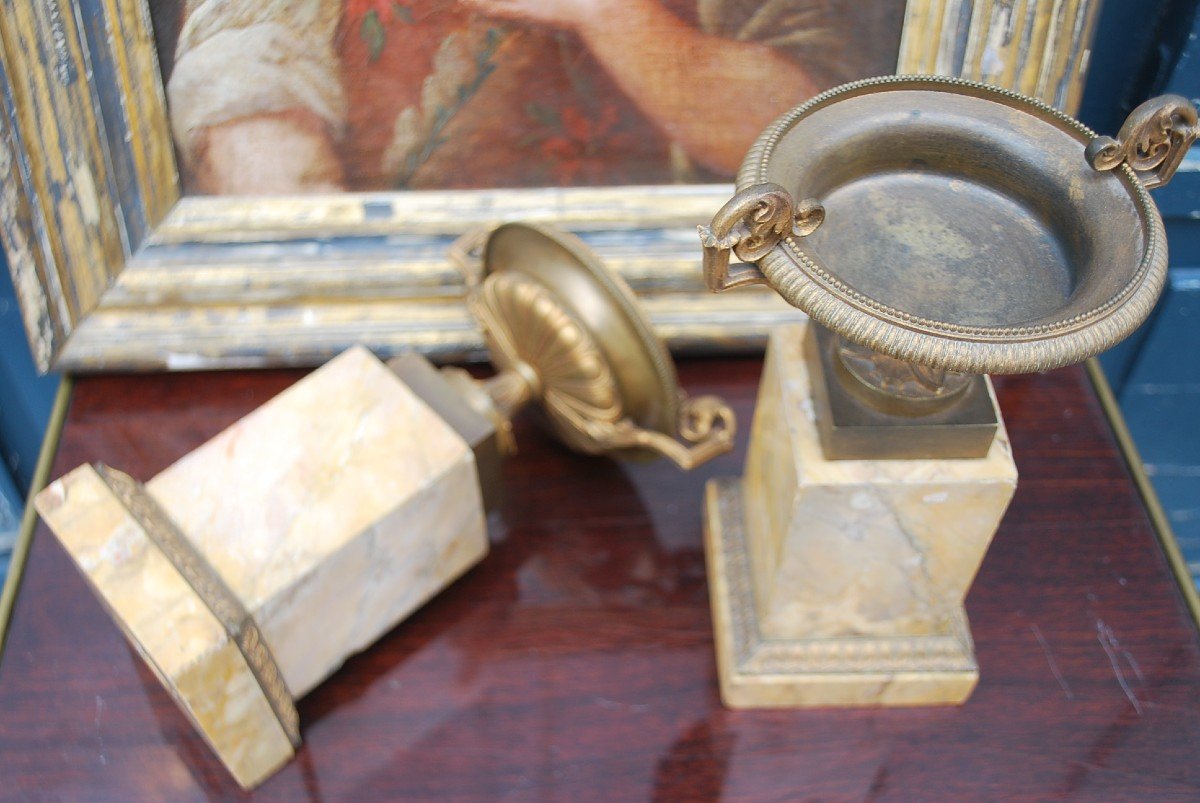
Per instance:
(116,269)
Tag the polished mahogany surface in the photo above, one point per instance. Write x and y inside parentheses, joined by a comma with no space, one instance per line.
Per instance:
(576,661)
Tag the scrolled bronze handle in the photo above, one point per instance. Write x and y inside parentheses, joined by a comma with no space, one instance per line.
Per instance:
(466,253)
(706,424)
(1153,140)
(749,225)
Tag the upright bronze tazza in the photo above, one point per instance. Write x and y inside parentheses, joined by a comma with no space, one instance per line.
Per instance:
(935,231)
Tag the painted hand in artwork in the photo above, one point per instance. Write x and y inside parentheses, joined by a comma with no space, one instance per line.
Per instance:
(568,14)
(670,68)
(270,154)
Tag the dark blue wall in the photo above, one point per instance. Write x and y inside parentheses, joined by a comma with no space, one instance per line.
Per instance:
(1156,375)
(25,397)
(25,400)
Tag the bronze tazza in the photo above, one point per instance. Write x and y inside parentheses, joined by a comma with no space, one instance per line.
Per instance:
(567,333)
(953,226)
(939,230)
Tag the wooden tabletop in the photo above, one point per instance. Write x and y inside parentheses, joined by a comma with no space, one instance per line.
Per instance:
(576,662)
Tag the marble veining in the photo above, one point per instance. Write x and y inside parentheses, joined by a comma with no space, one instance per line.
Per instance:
(332,512)
(859,547)
(846,562)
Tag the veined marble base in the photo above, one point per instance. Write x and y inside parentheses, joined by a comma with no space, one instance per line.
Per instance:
(761,672)
(331,513)
(841,582)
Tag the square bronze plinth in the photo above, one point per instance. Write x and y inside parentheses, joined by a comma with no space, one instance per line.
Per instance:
(480,434)
(853,430)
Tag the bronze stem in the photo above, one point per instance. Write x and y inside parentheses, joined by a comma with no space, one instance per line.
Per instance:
(512,389)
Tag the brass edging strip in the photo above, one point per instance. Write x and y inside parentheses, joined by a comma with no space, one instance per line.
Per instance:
(1154,508)
(41,473)
(212,590)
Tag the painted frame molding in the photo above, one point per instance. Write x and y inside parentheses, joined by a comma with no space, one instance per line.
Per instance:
(115,270)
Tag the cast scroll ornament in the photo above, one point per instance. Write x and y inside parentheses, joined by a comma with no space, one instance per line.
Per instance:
(1153,140)
(749,225)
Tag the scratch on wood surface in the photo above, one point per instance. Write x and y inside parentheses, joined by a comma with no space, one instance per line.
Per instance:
(101,754)
(1058,675)
(1108,640)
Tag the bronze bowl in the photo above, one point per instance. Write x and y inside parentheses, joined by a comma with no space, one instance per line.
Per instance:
(955,225)
(566,332)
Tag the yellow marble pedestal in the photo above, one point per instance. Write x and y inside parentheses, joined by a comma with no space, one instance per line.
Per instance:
(841,582)
(330,513)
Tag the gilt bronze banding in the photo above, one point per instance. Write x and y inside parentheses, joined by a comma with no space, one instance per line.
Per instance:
(229,611)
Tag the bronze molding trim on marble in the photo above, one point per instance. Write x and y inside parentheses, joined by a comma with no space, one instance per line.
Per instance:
(240,627)
(941,230)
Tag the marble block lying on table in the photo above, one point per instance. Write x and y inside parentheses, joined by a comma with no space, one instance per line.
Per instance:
(331,513)
(841,582)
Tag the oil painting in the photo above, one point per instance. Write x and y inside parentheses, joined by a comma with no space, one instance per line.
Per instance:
(300,96)
(231,183)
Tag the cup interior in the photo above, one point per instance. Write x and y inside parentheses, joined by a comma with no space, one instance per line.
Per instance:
(960,209)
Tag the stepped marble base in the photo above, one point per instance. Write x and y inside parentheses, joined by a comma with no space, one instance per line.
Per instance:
(760,672)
